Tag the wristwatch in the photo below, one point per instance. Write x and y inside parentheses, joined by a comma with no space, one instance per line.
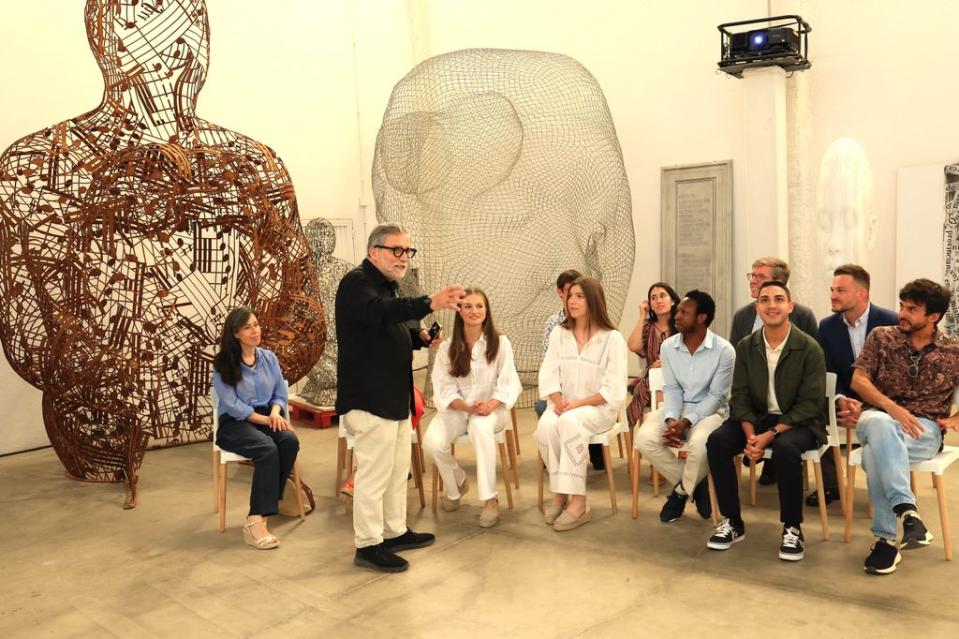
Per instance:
(776,433)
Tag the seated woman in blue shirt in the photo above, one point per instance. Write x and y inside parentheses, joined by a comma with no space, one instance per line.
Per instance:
(251,398)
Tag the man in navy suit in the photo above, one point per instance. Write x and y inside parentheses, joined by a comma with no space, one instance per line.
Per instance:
(841,336)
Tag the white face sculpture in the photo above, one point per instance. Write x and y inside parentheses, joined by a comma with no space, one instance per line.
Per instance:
(844,205)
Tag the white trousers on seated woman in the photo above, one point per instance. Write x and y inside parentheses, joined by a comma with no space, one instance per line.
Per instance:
(564,445)
(482,430)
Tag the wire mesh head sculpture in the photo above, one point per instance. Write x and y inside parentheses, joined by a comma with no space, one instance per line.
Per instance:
(126,235)
(505,167)
(320,388)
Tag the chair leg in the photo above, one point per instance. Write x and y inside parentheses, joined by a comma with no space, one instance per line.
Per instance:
(511,449)
(634,481)
(805,477)
(509,490)
(713,501)
(416,455)
(739,467)
(512,414)
(943,514)
(299,491)
(341,453)
(840,480)
(609,478)
(913,484)
(850,498)
(817,468)
(655,482)
(619,442)
(221,484)
(542,471)
(752,483)
(216,482)
(629,450)
(436,483)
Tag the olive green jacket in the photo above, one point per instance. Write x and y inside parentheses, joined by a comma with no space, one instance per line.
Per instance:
(800,382)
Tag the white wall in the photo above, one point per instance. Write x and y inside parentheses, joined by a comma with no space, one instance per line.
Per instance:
(311,79)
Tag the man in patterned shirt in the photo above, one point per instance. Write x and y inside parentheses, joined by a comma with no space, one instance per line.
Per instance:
(906,376)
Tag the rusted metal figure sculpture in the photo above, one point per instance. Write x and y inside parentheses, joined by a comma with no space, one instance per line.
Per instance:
(126,235)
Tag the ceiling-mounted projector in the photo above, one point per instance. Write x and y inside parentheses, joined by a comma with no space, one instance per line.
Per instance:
(782,42)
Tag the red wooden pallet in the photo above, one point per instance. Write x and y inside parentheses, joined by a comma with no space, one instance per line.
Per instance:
(311,415)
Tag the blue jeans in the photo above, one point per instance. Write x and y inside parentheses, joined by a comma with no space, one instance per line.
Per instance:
(886,454)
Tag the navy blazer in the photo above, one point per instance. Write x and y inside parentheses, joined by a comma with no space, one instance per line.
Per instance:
(834,340)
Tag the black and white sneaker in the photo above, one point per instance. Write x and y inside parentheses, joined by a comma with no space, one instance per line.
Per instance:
(793,546)
(701,499)
(883,559)
(673,508)
(914,533)
(726,535)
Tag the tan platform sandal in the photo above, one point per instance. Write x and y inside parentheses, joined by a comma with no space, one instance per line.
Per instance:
(266,542)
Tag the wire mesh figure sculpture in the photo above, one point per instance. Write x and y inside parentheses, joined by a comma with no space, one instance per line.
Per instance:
(505,168)
(126,235)
(320,388)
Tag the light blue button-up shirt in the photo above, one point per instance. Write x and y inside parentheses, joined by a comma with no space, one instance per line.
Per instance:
(696,385)
(260,385)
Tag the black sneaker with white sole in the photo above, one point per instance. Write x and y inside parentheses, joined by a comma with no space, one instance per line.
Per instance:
(793,546)
(914,533)
(726,535)
(673,508)
(883,559)
(701,499)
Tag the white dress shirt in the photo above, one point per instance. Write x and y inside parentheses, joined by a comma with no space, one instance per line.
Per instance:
(772,360)
(599,368)
(486,380)
(857,331)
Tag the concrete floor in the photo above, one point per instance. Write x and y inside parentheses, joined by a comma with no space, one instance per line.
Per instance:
(76,565)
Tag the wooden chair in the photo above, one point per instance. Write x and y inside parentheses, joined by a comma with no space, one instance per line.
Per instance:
(815,456)
(619,428)
(656,384)
(936,467)
(221,458)
(503,440)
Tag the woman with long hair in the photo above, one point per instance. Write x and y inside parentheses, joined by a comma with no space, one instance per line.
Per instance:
(251,398)
(657,321)
(475,385)
(583,379)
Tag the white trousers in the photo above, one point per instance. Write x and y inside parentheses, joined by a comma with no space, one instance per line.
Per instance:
(648,440)
(482,430)
(382,449)
(564,445)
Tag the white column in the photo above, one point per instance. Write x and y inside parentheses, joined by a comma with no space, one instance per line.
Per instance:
(763,196)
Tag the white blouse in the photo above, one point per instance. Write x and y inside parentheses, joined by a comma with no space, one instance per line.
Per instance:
(599,368)
(486,380)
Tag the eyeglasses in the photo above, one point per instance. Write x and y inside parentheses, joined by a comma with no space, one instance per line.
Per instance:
(398,250)
(914,367)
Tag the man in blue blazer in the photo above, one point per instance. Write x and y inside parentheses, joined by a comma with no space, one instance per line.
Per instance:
(841,336)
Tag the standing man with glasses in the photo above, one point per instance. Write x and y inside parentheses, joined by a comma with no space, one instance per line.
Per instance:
(746,321)
(374,391)
(906,376)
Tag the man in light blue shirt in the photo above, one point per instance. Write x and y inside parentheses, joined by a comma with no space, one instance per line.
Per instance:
(697,374)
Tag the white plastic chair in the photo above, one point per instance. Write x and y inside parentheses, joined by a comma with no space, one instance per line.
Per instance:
(936,467)
(815,456)
(503,438)
(656,385)
(221,458)
(620,427)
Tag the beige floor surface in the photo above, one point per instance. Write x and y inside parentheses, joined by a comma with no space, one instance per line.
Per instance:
(76,565)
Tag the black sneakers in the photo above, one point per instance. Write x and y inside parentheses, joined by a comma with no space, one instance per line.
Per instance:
(701,499)
(379,558)
(673,508)
(768,476)
(726,535)
(883,559)
(409,541)
(914,533)
(831,494)
(793,546)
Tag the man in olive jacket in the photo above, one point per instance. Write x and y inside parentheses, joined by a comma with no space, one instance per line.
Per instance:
(778,402)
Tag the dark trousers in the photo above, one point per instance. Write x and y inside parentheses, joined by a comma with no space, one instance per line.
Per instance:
(728,440)
(272,452)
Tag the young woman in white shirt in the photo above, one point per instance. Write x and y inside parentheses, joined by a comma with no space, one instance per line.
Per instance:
(474,386)
(583,379)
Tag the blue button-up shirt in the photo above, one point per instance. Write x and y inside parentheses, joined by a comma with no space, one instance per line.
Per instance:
(260,385)
(696,385)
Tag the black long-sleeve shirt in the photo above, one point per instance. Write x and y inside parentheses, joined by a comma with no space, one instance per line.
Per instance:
(374,370)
